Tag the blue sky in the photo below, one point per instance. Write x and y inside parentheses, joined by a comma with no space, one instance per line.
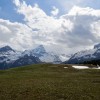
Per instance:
(56,24)
(8,9)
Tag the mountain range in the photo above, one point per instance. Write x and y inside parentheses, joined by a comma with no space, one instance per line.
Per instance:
(91,56)
(11,58)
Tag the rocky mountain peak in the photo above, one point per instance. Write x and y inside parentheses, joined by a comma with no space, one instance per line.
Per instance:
(97,46)
(39,50)
(6,48)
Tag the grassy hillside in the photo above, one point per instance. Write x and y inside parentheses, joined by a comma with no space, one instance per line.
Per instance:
(49,82)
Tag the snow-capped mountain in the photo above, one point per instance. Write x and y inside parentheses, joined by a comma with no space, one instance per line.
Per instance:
(43,55)
(84,56)
(12,58)
(65,57)
(7,54)
(26,60)
(39,51)
(6,49)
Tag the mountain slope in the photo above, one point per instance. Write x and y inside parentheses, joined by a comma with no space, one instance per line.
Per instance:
(11,58)
(65,57)
(86,56)
(7,54)
(26,60)
(43,55)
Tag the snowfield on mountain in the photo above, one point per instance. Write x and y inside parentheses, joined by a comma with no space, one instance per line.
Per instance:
(11,58)
(86,56)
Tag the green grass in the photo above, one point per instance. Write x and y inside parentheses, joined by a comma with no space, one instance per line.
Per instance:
(49,82)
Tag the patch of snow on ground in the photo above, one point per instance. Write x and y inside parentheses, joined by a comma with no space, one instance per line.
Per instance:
(65,67)
(80,67)
(97,68)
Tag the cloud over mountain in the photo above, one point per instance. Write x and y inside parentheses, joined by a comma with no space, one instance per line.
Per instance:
(77,29)
(55,11)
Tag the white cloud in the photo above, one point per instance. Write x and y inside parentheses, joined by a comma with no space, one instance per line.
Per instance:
(55,11)
(66,5)
(36,18)
(84,11)
(76,30)
(17,2)
(4,29)
(15,34)
(95,29)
